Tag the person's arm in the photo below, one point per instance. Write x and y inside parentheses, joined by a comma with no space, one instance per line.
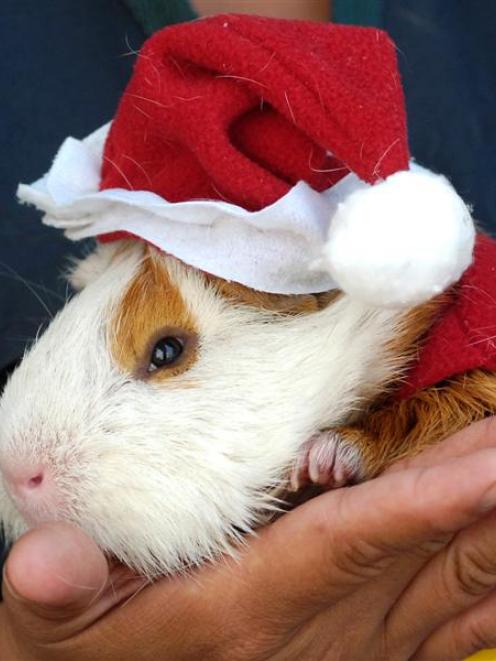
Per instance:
(311,10)
(401,567)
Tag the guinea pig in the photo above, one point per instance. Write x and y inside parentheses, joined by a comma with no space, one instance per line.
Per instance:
(168,413)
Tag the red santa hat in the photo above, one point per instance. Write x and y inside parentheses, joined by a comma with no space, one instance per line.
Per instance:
(269,152)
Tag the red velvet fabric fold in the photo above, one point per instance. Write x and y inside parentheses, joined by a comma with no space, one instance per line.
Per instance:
(241,108)
(464,336)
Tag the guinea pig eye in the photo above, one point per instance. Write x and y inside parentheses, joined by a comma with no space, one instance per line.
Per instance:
(165,352)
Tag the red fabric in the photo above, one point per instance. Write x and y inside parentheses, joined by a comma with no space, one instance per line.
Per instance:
(464,336)
(240,108)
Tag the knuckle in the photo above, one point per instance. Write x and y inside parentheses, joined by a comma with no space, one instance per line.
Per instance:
(361,560)
(355,557)
(473,570)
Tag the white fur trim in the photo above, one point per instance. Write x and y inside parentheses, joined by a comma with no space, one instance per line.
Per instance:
(394,243)
(401,241)
(270,250)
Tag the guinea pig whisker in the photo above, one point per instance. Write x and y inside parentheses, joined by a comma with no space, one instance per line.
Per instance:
(146,582)
(12,273)
(98,593)
(30,287)
(89,588)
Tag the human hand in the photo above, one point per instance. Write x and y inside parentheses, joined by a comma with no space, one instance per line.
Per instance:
(400,567)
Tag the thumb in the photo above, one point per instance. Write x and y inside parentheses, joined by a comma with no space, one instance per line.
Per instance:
(53,579)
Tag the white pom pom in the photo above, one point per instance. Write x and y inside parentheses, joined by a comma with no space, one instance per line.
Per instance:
(401,241)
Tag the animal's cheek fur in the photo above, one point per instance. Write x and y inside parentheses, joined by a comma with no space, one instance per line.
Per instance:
(178,505)
(154,477)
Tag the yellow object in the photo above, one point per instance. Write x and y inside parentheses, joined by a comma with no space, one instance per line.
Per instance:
(488,655)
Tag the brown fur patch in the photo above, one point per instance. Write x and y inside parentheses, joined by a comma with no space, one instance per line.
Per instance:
(278,303)
(389,429)
(152,308)
(404,428)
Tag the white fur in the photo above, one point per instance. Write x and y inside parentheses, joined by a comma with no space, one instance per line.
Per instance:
(83,271)
(166,475)
(402,241)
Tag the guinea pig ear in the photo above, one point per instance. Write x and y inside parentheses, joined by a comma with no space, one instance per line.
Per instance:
(279,303)
(81,272)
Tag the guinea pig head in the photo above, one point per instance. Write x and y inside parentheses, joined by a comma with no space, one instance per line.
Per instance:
(161,409)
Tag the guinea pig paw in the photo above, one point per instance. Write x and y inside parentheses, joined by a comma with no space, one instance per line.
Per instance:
(328,460)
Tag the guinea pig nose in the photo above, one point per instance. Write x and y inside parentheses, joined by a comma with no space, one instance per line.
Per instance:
(25,480)
(35,481)
(33,490)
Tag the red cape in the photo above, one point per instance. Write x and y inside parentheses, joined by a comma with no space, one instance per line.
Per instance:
(463,338)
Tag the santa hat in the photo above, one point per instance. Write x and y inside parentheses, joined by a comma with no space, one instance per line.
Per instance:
(272,153)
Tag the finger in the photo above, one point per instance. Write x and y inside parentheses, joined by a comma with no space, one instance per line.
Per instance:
(466,634)
(453,581)
(319,552)
(55,566)
(349,537)
(56,581)
(315,555)
(478,436)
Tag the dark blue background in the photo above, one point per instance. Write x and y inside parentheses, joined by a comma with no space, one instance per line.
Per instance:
(446,52)
(64,66)
(63,69)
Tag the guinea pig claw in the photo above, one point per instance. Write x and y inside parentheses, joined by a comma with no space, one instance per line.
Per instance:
(327,460)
